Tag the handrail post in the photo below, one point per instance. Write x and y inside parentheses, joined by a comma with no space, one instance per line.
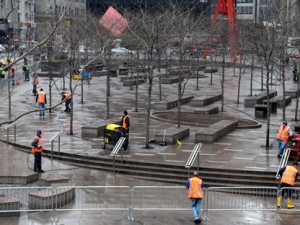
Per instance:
(7,131)
(52,139)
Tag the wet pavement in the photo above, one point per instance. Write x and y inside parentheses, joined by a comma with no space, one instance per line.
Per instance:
(242,149)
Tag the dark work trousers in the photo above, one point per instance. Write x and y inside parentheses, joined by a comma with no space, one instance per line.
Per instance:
(34,91)
(37,161)
(26,75)
(289,191)
(68,109)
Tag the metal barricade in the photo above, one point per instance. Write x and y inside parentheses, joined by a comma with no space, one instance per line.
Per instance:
(25,199)
(92,198)
(241,199)
(294,197)
(116,149)
(192,157)
(159,198)
(14,124)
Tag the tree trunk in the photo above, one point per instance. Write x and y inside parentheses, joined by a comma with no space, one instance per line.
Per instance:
(251,77)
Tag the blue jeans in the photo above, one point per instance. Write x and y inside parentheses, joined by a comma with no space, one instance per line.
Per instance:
(196,206)
(42,106)
(281,147)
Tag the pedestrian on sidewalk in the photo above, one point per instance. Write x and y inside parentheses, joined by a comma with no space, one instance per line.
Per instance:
(68,98)
(12,73)
(41,99)
(284,133)
(36,81)
(196,194)
(288,176)
(125,123)
(26,72)
(37,148)
(2,72)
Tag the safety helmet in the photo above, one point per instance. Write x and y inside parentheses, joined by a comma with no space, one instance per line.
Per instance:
(284,122)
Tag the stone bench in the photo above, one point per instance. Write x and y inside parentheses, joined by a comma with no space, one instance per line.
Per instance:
(261,111)
(258,99)
(172,135)
(208,110)
(43,199)
(46,74)
(292,93)
(9,203)
(176,72)
(133,82)
(122,78)
(95,130)
(123,71)
(112,73)
(205,100)
(170,80)
(9,177)
(211,70)
(273,104)
(279,98)
(164,105)
(215,131)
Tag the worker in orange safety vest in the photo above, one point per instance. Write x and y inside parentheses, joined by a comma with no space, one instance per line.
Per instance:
(196,194)
(42,101)
(288,176)
(284,133)
(37,149)
(125,123)
(68,98)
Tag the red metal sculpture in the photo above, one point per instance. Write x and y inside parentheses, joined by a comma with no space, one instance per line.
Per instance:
(227,9)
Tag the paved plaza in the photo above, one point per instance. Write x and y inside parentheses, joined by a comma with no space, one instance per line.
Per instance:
(242,149)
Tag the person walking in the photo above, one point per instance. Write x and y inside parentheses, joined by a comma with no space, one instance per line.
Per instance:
(41,99)
(125,123)
(196,194)
(2,72)
(26,72)
(37,148)
(68,98)
(282,137)
(12,73)
(35,82)
(288,176)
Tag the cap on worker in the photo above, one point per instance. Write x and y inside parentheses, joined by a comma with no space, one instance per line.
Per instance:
(284,122)
(41,89)
(295,163)
(38,132)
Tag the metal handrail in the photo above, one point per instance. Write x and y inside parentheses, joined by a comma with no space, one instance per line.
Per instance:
(14,124)
(192,157)
(116,150)
(52,139)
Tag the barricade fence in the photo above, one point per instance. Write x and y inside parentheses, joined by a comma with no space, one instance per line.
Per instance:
(14,200)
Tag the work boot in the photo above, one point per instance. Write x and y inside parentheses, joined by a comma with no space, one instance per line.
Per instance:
(279,201)
(41,171)
(290,204)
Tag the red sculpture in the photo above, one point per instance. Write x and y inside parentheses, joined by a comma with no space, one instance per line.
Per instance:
(226,8)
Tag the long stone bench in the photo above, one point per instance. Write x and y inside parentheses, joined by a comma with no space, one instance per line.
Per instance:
(43,199)
(261,111)
(215,131)
(46,74)
(123,71)
(279,98)
(273,103)
(258,99)
(112,73)
(8,177)
(133,82)
(165,105)
(95,130)
(207,110)
(172,135)
(292,92)
(170,80)
(176,72)
(122,78)
(9,203)
(205,100)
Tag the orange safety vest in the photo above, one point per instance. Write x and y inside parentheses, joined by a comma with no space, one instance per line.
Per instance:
(41,98)
(67,96)
(34,149)
(283,134)
(124,123)
(195,189)
(289,175)
(12,71)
